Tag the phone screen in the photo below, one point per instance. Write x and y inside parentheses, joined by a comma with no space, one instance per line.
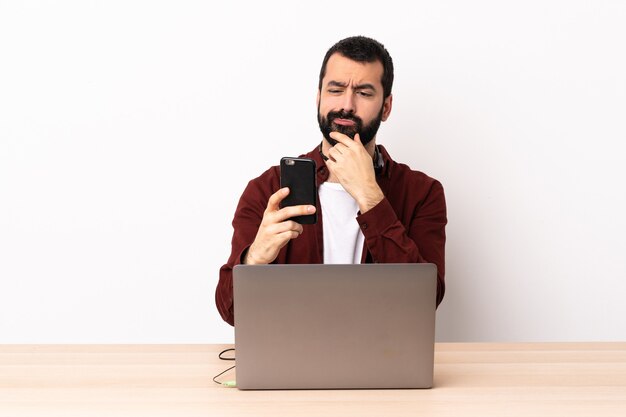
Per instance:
(299,175)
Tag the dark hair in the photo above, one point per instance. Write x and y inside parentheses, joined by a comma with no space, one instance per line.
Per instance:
(362,49)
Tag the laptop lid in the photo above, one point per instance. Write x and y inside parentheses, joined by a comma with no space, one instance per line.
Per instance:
(334,326)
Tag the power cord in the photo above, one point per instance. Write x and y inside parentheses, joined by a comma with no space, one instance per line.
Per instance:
(225,383)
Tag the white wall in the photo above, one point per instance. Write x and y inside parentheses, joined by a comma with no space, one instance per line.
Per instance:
(128,130)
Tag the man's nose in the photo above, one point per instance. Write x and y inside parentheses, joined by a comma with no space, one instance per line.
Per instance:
(348,104)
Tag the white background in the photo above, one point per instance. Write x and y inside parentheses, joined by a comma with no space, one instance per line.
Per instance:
(128,130)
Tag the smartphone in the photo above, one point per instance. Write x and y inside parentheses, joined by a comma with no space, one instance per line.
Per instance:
(299,175)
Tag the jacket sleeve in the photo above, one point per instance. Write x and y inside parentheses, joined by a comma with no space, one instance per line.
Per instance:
(421,241)
(246,222)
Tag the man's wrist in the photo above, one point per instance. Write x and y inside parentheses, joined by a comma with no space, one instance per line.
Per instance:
(370,199)
(248,259)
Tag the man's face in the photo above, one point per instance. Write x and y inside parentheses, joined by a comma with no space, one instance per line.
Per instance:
(351,99)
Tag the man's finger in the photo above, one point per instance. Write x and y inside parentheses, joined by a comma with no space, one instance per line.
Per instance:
(334,154)
(346,140)
(285,237)
(341,148)
(273,204)
(286,226)
(341,138)
(293,211)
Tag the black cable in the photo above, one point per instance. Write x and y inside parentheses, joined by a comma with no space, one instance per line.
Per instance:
(219,355)
(220,374)
(224,359)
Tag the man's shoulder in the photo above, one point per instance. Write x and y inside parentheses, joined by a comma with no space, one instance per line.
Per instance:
(399,171)
(403,170)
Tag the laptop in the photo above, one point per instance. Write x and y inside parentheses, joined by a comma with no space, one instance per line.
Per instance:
(334,326)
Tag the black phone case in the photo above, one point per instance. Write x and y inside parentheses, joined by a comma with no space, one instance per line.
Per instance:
(299,175)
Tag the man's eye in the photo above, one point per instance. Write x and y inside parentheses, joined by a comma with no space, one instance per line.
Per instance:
(365,94)
(334,91)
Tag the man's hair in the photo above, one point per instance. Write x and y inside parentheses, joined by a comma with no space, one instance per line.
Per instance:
(362,49)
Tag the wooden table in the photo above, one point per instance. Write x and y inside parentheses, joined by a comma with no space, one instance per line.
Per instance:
(545,379)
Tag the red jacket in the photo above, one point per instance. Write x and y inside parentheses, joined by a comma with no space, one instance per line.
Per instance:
(407,226)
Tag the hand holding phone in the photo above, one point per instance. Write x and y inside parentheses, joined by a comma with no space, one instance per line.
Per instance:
(286,211)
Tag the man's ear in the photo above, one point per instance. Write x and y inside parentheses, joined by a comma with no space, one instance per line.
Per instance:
(317,101)
(387,104)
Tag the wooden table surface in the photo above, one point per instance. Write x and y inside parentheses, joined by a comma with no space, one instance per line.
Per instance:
(527,379)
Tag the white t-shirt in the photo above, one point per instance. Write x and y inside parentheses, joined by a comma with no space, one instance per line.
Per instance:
(343,239)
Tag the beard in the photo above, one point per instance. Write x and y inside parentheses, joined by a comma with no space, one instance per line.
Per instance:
(366,133)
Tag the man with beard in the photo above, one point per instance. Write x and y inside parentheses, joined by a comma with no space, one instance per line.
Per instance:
(371,208)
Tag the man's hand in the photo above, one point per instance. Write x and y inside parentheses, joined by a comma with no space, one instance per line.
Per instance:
(276,230)
(350,162)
